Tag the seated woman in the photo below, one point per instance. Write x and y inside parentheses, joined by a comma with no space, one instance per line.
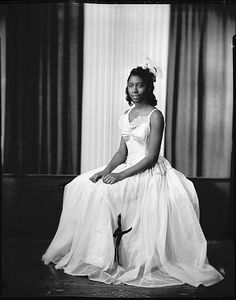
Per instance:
(158,240)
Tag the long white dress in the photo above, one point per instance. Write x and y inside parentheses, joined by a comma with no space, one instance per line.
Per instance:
(166,245)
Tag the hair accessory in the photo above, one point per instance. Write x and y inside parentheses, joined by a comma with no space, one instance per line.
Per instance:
(153,68)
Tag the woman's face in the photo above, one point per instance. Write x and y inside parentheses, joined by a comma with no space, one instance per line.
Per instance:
(136,88)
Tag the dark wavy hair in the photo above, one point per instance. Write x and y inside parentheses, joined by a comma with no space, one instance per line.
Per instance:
(148,79)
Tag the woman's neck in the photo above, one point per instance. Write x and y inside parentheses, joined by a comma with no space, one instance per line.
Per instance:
(141,106)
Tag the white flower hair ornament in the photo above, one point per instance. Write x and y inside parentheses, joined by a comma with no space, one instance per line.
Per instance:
(153,68)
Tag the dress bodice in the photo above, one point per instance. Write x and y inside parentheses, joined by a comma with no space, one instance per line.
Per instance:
(136,135)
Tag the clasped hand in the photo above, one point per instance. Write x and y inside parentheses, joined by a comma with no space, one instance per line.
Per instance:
(110,178)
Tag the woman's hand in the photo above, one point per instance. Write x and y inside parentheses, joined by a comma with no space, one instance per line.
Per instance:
(112,178)
(97,176)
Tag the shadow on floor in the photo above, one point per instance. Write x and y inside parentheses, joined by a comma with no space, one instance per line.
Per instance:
(24,275)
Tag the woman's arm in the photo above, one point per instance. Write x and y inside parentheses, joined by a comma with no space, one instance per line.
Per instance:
(156,132)
(118,158)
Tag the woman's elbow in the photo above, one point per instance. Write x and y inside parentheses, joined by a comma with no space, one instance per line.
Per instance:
(153,158)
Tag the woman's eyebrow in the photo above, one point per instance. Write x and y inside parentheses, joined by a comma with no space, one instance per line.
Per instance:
(135,82)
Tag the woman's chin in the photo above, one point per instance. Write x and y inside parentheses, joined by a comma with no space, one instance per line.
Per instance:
(136,100)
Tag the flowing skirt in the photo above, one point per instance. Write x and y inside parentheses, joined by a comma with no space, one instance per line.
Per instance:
(166,245)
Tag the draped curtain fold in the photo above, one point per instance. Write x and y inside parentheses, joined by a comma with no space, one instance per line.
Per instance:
(44,72)
(44,67)
(117,38)
(200,89)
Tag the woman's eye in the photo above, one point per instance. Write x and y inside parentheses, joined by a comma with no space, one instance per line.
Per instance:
(141,85)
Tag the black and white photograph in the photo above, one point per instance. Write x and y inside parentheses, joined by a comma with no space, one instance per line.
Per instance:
(117,149)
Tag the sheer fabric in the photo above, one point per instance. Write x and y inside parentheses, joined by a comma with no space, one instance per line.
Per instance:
(166,245)
(115,41)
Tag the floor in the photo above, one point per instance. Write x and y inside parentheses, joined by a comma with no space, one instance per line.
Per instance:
(24,275)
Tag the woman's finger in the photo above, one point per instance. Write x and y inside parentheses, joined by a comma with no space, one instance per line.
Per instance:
(109,181)
(94,178)
(105,180)
(107,177)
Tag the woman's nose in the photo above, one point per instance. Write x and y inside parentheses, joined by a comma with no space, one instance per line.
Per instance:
(135,89)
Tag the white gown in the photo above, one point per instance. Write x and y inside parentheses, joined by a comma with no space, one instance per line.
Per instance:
(166,245)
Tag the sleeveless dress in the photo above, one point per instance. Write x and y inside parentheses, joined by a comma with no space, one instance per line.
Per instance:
(165,245)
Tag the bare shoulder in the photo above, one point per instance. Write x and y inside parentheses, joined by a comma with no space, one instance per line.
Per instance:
(157,117)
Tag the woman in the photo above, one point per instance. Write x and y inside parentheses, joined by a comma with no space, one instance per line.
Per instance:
(135,221)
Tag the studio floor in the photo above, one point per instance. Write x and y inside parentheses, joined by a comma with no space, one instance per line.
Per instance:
(24,275)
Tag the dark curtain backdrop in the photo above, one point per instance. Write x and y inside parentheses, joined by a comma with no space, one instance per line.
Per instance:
(44,68)
(200,89)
